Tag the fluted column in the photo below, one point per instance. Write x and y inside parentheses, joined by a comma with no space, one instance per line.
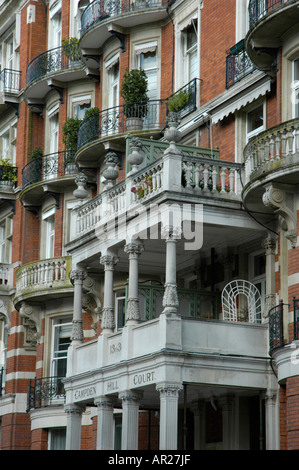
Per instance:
(105,432)
(108,319)
(170,298)
(73,426)
(77,277)
(133,314)
(130,407)
(169,399)
(228,428)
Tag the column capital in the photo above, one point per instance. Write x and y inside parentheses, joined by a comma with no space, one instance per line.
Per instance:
(171,233)
(134,250)
(77,275)
(109,261)
(105,403)
(130,397)
(169,389)
(74,409)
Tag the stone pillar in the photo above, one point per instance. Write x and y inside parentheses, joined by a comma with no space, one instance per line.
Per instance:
(73,426)
(130,407)
(77,277)
(228,427)
(198,410)
(169,398)
(133,314)
(270,298)
(272,428)
(170,298)
(108,319)
(105,432)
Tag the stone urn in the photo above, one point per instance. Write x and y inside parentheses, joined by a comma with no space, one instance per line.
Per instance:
(80,193)
(172,134)
(136,156)
(111,173)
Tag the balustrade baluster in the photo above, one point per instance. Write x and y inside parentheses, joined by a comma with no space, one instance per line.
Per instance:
(231,178)
(290,140)
(188,174)
(57,269)
(272,148)
(277,146)
(283,144)
(196,175)
(267,149)
(215,176)
(205,178)
(222,179)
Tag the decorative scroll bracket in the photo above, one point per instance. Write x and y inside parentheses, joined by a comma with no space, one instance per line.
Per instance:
(275,198)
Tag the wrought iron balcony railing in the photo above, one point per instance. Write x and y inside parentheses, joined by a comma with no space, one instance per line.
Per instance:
(55,60)
(46,391)
(10,81)
(112,121)
(49,166)
(277,323)
(238,64)
(259,8)
(100,10)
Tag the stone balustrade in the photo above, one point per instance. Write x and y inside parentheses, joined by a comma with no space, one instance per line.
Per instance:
(272,149)
(47,274)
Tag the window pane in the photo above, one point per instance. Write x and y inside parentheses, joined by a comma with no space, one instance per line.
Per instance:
(255,119)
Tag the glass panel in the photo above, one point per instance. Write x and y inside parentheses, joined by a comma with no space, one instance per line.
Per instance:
(50,221)
(62,341)
(57,439)
(2,242)
(255,119)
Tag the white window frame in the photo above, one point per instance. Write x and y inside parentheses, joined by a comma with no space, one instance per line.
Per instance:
(49,234)
(188,52)
(259,279)
(58,323)
(6,243)
(55,25)
(77,101)
(295,89)
(259,129)
(143,48)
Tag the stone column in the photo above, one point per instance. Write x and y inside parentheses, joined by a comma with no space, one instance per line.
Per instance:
(130,406)
(169,398)
(133,314)
(105,432)
(108,319)
(77,277)
(170,298)
(198,410)
(228,428)
(270,299)
(272,420)
(73,426)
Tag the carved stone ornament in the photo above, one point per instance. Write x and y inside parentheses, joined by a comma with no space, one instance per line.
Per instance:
(108,318)
(76,275)
(275,198)
(4,314)
(133,250)
(170,299)
(32,317)
(91,302)
(110,172)
(81,192)
(77,331)
(109,262)
(133,312)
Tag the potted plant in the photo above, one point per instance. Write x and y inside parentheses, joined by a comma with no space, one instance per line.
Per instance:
(90,126)
(134,90)
(71,49)
(178,101)
(69,138)
(8,173)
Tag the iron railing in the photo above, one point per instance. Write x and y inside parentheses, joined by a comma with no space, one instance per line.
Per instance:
(55,60)
(10,81)
(259,8)
(46,391)
(238,64)
(276,325)
(113,121)
(53,165)
(192,303)
(100,10)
